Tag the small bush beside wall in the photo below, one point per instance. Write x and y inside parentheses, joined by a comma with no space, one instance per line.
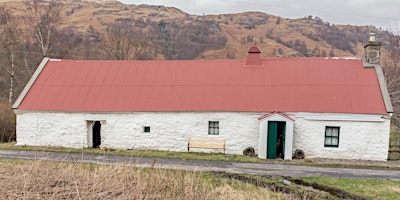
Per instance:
(7,123)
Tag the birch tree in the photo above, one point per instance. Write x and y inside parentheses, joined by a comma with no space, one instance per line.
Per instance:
(9,40)
(42,18)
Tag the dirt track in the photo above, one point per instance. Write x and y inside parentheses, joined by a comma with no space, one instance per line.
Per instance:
(286,189)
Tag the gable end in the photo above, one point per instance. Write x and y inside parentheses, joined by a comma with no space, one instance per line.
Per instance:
(30,83)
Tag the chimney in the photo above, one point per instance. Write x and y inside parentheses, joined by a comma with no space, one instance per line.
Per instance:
(254,56)
(372,50)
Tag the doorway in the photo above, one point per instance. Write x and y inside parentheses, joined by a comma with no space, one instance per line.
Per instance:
(276,140)
(96,137)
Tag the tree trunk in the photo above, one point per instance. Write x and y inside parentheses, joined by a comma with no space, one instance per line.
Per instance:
(12,75)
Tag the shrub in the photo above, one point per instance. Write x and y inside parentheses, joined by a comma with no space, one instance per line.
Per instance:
(395,136)
(7,123)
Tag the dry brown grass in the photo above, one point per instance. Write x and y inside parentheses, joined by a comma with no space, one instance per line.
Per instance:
(44,180)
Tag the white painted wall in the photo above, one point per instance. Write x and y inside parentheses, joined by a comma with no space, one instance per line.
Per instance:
(169,131)
(357,140)
(172,130)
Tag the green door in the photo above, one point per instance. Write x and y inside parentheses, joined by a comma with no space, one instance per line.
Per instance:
(272,139)
(276,140)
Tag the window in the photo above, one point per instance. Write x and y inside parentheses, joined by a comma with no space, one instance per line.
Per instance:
(332,136)
(146,129)
(213,128)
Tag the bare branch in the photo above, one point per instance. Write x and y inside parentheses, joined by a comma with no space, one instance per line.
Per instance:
(9,36)
(123,41)
(43,18)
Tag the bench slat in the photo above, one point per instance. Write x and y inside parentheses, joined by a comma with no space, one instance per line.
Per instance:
(211,140)
(203,145)
(207,143)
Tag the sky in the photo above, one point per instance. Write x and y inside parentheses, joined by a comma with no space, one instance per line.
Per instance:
(379,13)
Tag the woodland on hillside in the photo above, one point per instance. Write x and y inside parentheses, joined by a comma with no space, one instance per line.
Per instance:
(34,29)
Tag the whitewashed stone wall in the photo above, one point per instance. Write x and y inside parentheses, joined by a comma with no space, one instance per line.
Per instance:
(169,131)
(357,140)
(51,129)
(172,130)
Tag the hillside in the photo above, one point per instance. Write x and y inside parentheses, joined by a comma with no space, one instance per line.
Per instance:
(211,36)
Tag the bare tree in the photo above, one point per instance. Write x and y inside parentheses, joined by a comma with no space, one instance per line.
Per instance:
(9,39)
(43,18)
(391,67)
(123,41)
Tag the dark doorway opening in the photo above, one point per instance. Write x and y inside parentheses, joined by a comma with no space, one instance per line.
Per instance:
(96,134)
(280,144)
(276,140)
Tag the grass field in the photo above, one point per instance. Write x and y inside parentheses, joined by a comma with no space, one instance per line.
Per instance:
(48,180)
(369,188)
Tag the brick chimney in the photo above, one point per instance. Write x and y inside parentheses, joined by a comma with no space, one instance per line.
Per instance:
(372,50)
(254,56)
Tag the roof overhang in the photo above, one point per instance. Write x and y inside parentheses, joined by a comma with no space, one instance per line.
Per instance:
(270,115)
(382,84)
(30,83)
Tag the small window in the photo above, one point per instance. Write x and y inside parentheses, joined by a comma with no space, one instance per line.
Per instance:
(146,129)
(213,128)
(332,136)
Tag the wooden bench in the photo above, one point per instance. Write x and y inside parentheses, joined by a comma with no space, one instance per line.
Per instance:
(206,143)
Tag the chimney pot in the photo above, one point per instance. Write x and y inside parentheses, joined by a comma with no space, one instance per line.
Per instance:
(372,37)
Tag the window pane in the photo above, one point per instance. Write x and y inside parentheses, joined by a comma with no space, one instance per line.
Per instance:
(335,132)
(213,124)
(328,141)
(328,132)
(334,141)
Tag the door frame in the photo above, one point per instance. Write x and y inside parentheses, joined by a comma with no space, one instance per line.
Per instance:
(275,129)
(90,133)
(263,134)
(96,134)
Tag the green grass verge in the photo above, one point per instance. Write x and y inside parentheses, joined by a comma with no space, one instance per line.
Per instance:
(369,188)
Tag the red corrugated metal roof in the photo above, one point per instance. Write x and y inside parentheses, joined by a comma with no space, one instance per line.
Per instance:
(285,85)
